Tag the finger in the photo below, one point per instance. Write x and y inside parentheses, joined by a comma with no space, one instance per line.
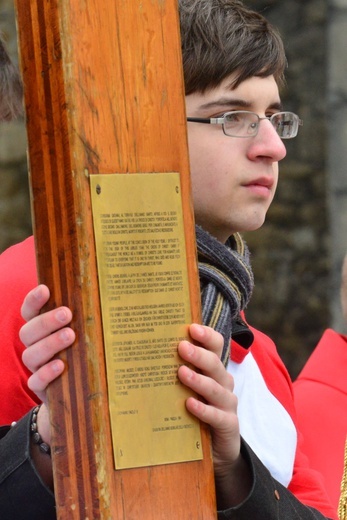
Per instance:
(216,418)
(206,361)
(43,351)
(207,337)
(224,429)
(34,301)
(207,388)
(39,381)
(41,326)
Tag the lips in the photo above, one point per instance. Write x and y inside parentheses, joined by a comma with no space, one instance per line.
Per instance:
(262,182)
(260,187)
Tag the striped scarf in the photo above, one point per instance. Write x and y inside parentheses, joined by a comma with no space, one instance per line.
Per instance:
(226,282)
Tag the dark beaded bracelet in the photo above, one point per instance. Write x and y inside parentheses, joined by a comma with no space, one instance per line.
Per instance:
(37,439)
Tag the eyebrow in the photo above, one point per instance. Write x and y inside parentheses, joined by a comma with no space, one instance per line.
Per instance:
(222,102)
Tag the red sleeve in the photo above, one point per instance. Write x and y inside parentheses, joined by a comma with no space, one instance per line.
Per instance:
(307,483)
(320,394)
(17,277)
(309,486)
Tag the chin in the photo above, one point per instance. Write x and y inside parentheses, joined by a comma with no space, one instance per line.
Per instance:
(252,224)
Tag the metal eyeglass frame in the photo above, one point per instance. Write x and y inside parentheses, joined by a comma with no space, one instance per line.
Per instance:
(294,118)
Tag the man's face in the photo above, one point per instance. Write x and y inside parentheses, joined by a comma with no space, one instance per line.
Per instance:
(234,179)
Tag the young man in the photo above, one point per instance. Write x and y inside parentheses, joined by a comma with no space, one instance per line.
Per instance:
(233,66)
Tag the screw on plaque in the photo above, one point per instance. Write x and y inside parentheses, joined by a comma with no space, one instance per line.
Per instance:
(98,189)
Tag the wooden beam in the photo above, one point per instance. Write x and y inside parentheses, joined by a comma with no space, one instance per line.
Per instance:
(103,94)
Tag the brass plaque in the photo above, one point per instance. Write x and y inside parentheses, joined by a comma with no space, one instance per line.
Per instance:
(141,255)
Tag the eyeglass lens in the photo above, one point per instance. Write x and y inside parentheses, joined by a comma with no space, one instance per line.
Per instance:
(245,124)
(285,124)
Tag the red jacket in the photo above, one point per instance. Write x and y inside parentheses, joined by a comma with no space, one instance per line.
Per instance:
(18,276)
(321,400)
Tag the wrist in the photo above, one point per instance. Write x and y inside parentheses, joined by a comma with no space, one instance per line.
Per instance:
(39,453)
(38,432)
(233,483)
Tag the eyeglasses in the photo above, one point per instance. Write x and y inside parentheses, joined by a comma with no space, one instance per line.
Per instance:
(242,123)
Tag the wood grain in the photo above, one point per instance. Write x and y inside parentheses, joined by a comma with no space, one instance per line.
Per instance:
(103,94)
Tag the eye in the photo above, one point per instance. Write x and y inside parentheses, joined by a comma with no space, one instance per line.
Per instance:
(233,117)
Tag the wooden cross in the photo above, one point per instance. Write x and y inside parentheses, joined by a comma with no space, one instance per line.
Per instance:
(104,94)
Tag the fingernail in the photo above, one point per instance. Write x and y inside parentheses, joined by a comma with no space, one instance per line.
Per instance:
(56,366)
(189,372)
(190,348)
(61,315)
(38,292)
(65,335)
(199,329)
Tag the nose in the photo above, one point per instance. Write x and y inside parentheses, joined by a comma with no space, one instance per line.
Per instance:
(267,143)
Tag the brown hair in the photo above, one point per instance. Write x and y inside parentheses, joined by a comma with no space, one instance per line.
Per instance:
(223,37)
(10,87)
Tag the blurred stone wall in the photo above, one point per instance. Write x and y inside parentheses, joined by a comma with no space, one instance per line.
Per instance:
(336,121)
(15,221)
(293,254)
(297,255)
